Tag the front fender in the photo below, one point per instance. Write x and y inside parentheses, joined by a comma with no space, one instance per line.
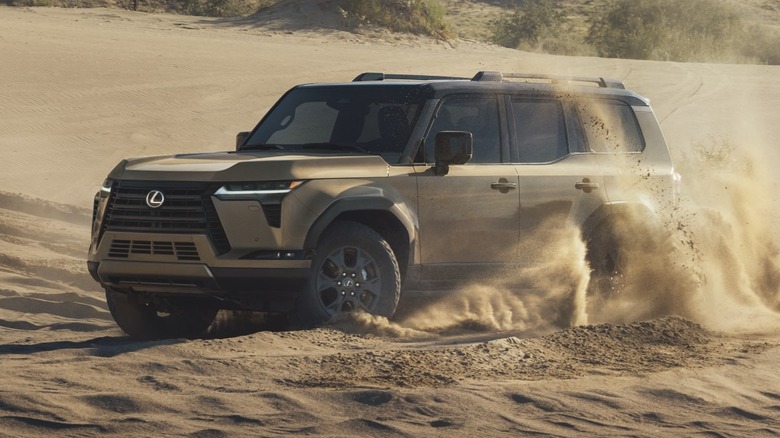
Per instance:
(361,204)
(326,200)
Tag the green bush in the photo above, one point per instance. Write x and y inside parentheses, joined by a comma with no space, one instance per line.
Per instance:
(424,17)
(532,22)
(223,8)
(669,30)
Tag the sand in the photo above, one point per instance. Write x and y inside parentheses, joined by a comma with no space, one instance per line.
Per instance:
(81,89)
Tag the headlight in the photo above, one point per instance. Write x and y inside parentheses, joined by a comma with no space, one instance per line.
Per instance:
(265,191)
(99,211)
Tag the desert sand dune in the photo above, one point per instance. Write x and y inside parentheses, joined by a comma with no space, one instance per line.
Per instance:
(81,89)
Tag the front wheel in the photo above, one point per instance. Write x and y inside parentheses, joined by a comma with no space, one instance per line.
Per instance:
(354,269)
(142,319)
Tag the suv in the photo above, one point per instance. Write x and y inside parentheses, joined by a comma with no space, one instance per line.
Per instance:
(343,194)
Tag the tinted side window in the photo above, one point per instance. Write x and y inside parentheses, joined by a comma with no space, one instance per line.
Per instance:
(540,129)
(611,127)
(476,114)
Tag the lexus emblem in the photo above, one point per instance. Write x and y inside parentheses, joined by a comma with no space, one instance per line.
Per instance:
(155,199)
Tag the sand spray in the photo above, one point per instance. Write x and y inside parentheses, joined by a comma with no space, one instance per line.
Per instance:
(716,262)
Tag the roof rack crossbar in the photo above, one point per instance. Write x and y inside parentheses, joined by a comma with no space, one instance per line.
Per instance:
(601,82)
(377,76)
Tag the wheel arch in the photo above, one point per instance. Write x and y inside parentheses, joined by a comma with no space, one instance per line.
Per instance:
(615,211)
(379,214)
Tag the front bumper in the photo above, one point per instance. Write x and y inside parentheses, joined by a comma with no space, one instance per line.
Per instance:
(188,265)
(199,279)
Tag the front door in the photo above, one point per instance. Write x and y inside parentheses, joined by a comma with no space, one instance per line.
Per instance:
(469,217)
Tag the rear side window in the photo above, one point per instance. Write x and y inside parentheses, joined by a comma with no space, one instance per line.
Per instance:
(540,130)
(611,126)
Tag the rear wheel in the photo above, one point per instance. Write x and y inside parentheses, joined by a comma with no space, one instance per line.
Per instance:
(144,319)
(607,256)
(354,269)
(634,263)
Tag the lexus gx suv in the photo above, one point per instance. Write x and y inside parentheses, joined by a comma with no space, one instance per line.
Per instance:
(346,194)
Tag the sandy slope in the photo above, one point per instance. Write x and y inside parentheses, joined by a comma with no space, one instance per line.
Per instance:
(81,89)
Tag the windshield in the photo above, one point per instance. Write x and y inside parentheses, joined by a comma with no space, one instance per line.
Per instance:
(341,118)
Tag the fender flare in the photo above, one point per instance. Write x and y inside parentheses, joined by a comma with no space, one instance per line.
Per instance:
(346,205)
(615,209)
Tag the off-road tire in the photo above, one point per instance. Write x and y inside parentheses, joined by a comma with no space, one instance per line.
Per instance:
(141,320)
(608,258)
(354,269)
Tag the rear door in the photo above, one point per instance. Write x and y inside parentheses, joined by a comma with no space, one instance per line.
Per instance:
(559,179)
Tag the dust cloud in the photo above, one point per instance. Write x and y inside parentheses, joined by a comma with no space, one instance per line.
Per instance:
(728,213)
(715,259)
(551,295)
(553,292)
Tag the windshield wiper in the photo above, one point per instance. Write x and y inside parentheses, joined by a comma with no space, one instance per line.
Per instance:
(336,147)
(263,147)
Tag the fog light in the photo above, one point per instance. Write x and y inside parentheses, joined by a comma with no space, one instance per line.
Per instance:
(274,255)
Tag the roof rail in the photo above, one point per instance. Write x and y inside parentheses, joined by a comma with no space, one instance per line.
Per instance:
(489,76)
(498,76)
(377,76)
(493,76)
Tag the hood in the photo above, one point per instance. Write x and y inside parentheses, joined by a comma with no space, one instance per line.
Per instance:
(245,166)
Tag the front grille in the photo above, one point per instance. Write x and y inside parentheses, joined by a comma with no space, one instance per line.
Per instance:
(187,209)
(95,204)
(179,250)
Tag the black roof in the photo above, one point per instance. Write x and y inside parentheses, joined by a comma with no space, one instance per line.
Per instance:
(499,83)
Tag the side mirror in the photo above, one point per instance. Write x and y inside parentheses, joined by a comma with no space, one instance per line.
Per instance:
(452,147)
(241,138)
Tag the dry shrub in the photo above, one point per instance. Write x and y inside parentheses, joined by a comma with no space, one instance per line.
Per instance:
(424,17)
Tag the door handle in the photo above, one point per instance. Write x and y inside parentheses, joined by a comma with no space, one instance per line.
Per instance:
(586,185)
(503,185)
